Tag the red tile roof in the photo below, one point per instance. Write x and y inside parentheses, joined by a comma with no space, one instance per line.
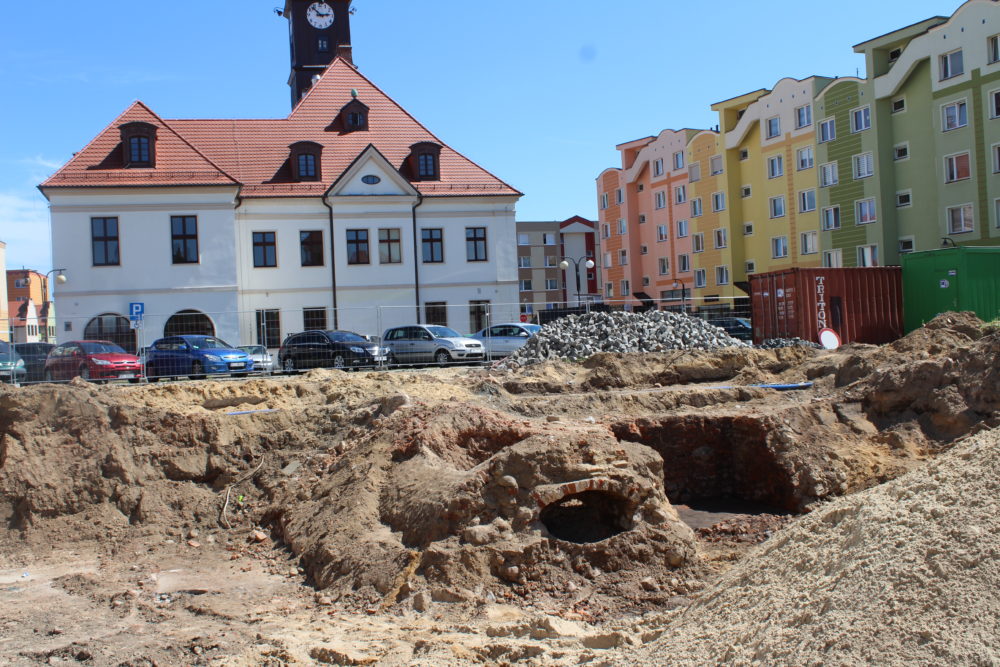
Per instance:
(254,153)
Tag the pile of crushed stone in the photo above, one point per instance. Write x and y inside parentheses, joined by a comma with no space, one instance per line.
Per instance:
(581,336)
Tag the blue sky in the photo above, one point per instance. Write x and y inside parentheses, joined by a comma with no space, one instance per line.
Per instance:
(538,93)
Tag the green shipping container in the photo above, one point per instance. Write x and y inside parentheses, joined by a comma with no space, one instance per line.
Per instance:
(962,278)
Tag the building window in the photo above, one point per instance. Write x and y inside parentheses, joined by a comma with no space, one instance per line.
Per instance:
(323,45)
(995,104)
(744,154)
(694,172)
(523,239)
(184,239)
(549,238)
(865,210)
(718,201)
(104,241)
(804,158)
(604,200)
(621,227)
(992,49)
(663,264)
(901,152)
(861,119)
(661,232)
(139,143)
(864,165)
(747,229)
(619,196)
(698,242)
(622,257)
(311,247)
(772,127)
(894,55)
(954,116)
(658,167)
(828,174)
(833,259)
(809,243)
(607,260)
(307,166)
(605,231)
(682,229)
(390,246)
(779,247)
(551,284)
(526,285)
(803,116)
(683,263)
(268,327)
(645,281)
(642,218)
(475,244)
(827,130)
(715,165)
(807,201)
(305,160)
(960,219)
(265,250)
(680,194)
(643,249)
(357,246)
(426,166)
(679,160)
(904,199)
(830,218)
(906,245)
(722,275)
(699,278)
(314,319)
(524,262)
(867,255)
(625,287)
(721,237)
(996,158)
(696,207)
(138,150)
(750,266)
(777,206)
(660,199)
(746,191)
(951,64)
(775,166)
(956,168)
(432,245)
(436,312)
(898,105)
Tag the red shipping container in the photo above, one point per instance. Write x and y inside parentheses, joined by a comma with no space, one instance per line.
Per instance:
(863,305)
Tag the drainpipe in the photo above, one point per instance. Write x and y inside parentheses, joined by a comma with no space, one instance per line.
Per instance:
(416,256)
(333,263)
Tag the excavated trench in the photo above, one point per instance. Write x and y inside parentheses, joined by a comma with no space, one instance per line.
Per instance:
(588,517)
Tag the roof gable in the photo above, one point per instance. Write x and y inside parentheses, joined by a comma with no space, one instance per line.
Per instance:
(371,163)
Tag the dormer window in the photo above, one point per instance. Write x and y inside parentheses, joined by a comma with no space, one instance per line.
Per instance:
(354,116)
(356,120)
(138,145)
(305,160)
(424,161)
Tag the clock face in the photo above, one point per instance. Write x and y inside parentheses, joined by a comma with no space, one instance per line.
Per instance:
(320,15)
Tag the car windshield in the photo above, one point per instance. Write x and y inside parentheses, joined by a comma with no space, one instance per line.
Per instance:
(253,349)
(209,343)
(532,328)
(102,348)
(743,322)
(443,332)
(345,337)
(6,350)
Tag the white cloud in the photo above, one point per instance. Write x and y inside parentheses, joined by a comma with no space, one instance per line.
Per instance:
(24,227)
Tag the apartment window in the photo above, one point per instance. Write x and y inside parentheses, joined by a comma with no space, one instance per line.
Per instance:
(744,154)
(894,55)
(314,319)
(432,245)
(807,201)
(804,158)
(772,127)
(605,231)
(268,327)
(138,151)
(718,201)
(642,218)
(906,245)
(861,119)
(996,158)
(680,194)
(803,116)
(951,64)
(827,130)
(954,116)
(722,275)
(960,219)
(867,255)
(777,206)
(715,165)
(750,266)
(864,165)
(551,262)
(645,281)
(390,250)
(747,229)
(901,152)
(524,262)
(661,232)
(307,166)
(746,191)
(679,160)
(995,104)
(523,239)
(696,207)
(525,285)
(475,244)
(699,278)
(992,49)
(956,168)
(265,250)
(828,174)
(548,238)
(830,218)
(658,167)
(775,166)
(694,172)
(184,239)
(865,211)
(698,242)
(551,284)
(660,199)
(833,259)
(604,200)
(619,197)
(721,237)
(104,241)
(779,247)
(898,105)
(809,243)
(625,287)
(904,199)
(436,312)
(622,257)
(683,263)
(682,228)
(311,248)
(663,264)
(357,246)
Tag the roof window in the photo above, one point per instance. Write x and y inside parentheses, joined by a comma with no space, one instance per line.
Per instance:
(138,145)
(305,161)
(424,161)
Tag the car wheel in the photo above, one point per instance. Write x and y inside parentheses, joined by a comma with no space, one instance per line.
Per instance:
(197,371)
(339,361)
(288,365)
(441,357)
(85,372)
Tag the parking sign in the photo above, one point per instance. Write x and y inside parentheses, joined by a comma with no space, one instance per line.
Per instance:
(136,310)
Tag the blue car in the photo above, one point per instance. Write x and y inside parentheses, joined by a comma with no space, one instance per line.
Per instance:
(195,357)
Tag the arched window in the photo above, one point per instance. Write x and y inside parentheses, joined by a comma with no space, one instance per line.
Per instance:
(189,323)
(424,161)
(112,327)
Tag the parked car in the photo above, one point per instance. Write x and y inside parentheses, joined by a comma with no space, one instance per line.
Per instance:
(737,327)
(92,360)
(12,368)
(263,362)
(501,340)
(34,355)
(328,349)
(195,357)
(430,343)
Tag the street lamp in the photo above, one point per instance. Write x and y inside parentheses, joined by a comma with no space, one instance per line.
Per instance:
(679,285)
(60,278)
(564,264)
(60,275)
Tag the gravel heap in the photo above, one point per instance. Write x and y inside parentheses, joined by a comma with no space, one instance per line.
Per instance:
(774,343)
(580,336)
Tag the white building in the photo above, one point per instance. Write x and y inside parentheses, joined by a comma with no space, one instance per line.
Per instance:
(346,214)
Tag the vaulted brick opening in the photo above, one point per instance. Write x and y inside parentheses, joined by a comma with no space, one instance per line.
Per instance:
(587,517)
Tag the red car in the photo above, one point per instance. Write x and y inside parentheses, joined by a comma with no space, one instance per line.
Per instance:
(91,360)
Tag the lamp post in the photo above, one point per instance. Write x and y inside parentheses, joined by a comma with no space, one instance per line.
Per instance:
(679,285)
(60,279)
(564,264)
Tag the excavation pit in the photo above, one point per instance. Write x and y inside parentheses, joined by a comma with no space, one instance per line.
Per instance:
(586,518)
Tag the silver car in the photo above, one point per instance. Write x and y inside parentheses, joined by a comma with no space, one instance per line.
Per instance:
(262,360)
(430,343)
(501,340)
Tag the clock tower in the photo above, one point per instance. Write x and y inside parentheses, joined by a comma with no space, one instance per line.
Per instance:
(318,31)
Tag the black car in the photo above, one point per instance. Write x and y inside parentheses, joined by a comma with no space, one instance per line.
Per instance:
(739,328)
(328,349)
(34,355)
